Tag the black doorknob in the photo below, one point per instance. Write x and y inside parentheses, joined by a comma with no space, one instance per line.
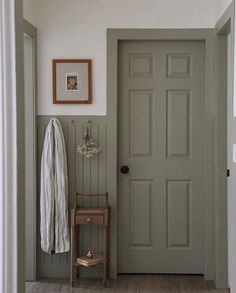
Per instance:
(124,169)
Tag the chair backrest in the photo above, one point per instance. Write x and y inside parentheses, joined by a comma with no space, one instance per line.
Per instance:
(82,194)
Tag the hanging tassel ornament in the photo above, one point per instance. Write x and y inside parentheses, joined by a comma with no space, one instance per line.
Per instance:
(87,148)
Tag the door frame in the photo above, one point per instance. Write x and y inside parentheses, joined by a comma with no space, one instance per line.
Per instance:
(224,26)
(12,224)
(31,30)
(206,35)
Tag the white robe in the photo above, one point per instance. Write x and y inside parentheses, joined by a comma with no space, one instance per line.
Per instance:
(54,226)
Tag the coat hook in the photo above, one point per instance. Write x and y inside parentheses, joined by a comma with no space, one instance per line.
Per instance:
(88,122)
(72,121)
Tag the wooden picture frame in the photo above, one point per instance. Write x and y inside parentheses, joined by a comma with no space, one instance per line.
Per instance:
(72,81)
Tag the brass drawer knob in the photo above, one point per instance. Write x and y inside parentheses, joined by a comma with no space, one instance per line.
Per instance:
(89,220)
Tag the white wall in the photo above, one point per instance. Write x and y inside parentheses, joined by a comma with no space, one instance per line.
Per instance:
(30,10)
(77,29)
(220,7)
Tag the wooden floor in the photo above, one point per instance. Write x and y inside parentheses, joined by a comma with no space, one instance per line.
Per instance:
(129,284)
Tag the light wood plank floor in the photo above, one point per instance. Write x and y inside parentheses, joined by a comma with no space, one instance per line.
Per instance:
(129,284)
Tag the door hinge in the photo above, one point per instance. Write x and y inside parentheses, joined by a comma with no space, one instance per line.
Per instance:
(228,173)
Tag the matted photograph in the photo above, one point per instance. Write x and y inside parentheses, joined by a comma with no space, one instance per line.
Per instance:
(72,81)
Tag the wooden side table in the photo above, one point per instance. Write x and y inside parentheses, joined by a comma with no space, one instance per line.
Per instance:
(90,216)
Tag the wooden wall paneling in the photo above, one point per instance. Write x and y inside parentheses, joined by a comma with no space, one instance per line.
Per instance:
(79,179)
(102,174)
(94,187)
(84,175)
(40,256)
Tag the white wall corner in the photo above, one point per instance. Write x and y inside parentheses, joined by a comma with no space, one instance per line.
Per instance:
(220,7)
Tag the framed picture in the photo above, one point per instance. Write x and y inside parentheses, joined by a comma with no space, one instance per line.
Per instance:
(72,81)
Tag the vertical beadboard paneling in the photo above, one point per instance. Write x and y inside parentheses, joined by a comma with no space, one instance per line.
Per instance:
(41,133)
(84,175)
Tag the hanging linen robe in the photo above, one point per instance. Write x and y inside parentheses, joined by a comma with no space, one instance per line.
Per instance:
(54,226)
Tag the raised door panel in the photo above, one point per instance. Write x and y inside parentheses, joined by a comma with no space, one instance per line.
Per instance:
(178,123)
(141,65)
(179,65)
(140,213)
(140,123)
(178,213)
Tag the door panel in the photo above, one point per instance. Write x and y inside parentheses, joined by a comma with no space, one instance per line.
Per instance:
(140,213)
(160,112)
(178,213)
(178,106)
(140,101)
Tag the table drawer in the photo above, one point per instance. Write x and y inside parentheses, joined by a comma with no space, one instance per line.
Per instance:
(89,219)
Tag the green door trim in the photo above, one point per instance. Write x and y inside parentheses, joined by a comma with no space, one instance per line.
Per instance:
(206,35)
(224,26)
(30,30)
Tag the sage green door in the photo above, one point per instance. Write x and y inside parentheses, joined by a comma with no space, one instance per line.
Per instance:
(160,137)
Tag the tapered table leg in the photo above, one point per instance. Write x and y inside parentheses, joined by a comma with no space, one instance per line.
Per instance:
(106,251)
(73,247)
